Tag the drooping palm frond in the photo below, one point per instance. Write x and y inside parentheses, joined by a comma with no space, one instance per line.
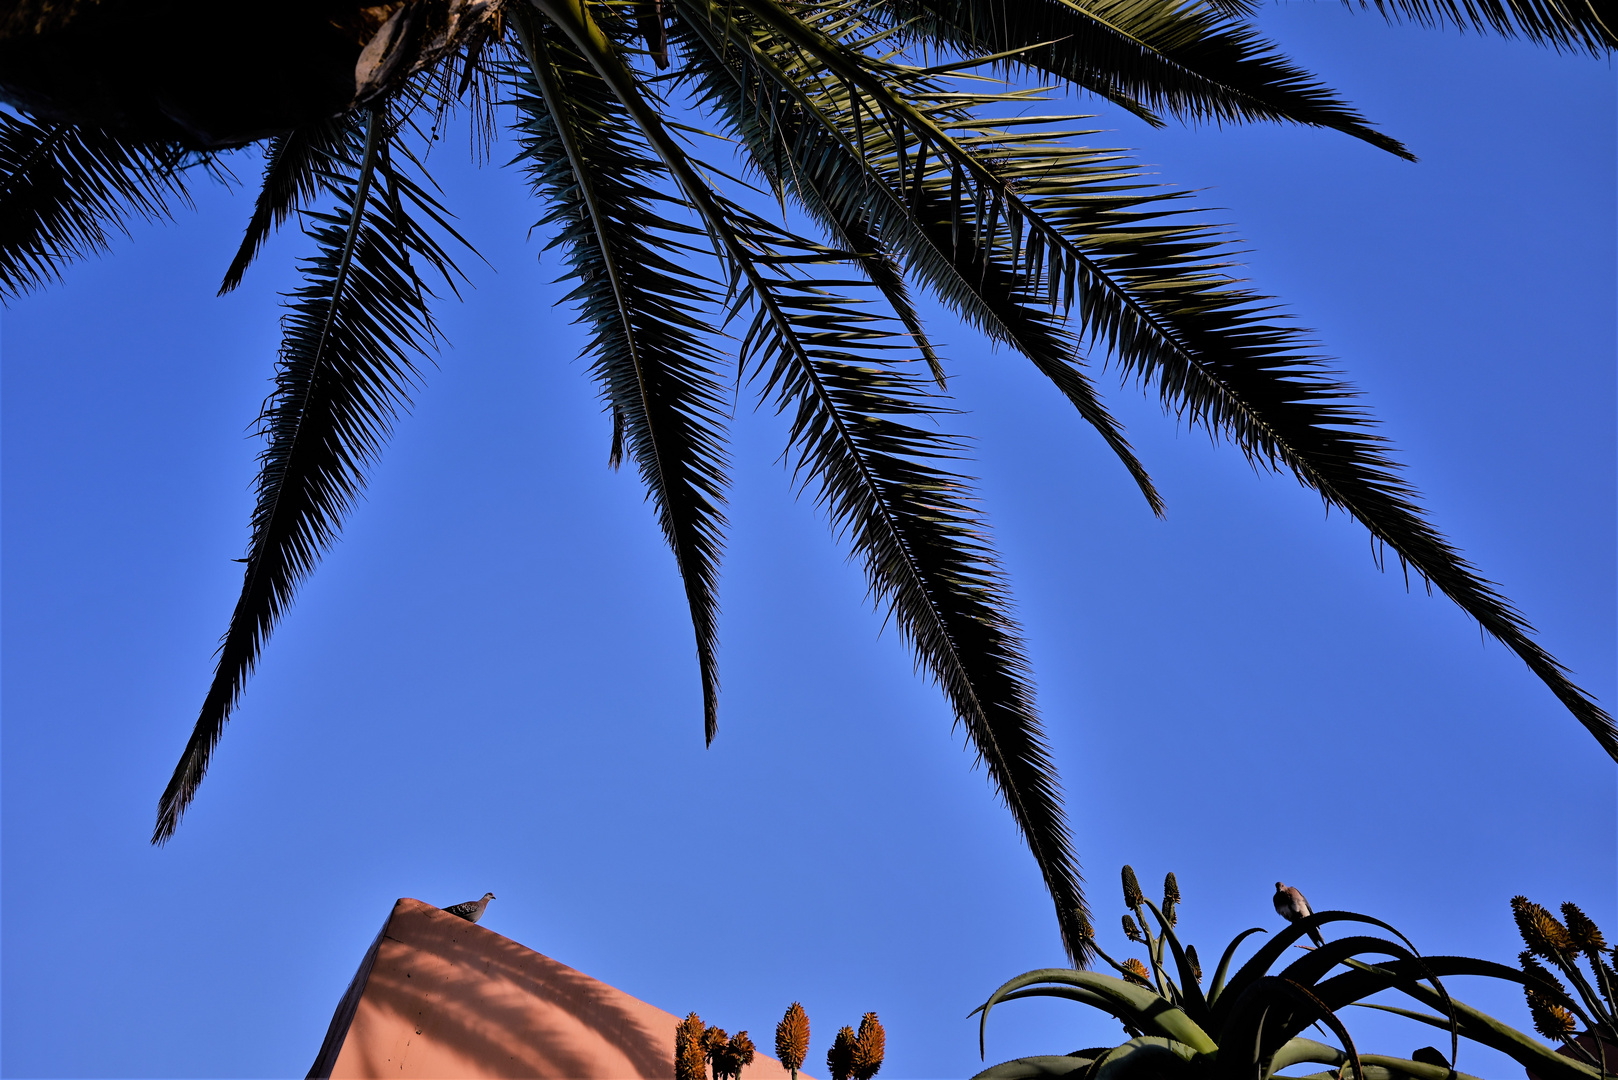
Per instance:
(925,550)
(293,166)
(1154,294)
(64,190)
(1192,61)
(1589,26)
(345,370)
(820,142)
(925,547)
(1059,251)
(644,303)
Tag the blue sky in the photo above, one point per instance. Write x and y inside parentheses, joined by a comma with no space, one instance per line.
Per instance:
(488,684)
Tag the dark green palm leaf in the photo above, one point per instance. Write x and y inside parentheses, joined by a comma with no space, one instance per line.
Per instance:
(1192,61)
(293,166)
(345,370)
(1160,300)
(848,175)
(1574,25)
(64,190)
(925,550)
(644,304)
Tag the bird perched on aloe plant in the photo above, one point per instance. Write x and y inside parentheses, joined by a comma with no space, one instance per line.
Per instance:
(472,910)
(1291,906)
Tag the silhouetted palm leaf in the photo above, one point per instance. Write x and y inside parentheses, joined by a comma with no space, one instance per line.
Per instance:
(344,373)
(293,166)
(637,292)
(1154,294)
(62,188)
(926,553)
(877,122)
(1192,61)
(1573,25)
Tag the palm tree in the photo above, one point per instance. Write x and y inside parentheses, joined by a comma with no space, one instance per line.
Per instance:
(875,120)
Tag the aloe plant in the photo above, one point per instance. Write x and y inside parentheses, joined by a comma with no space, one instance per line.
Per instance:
(1252,1023)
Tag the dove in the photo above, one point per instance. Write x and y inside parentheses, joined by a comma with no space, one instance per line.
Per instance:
(1291,906)
(472,910)
(1429,1055)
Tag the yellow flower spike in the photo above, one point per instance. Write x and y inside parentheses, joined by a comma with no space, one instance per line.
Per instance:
(792,1038)
(1582,929)
(689,1057)
(870,1046)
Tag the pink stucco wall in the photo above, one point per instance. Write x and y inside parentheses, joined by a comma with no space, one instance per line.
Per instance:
(439,997)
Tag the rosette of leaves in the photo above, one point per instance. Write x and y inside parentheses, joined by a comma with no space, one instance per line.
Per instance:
(1250,1022)
(911,169)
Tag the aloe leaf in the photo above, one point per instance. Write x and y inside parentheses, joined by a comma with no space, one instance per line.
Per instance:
(1217,987)
(1299,1051)
(1146,1010)
(1190,992)
(1480,1027)
(1033,1068)
(1272,950)
(1158,1057)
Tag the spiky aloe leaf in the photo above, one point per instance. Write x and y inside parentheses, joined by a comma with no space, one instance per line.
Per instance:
(1137,1006)
(1482,1028)
(1146,1055)
(1037,1068)
(1190,990)
(1258,966)
(1299,1051)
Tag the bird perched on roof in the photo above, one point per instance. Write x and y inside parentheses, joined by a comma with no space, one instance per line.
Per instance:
(472,910)
(1291,906)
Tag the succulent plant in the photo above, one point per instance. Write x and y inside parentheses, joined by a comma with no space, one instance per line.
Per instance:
(1250,1024)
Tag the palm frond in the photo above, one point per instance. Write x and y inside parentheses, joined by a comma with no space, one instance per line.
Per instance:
(644,305)
(64,190)
(925,547)
(1565,25)
(345,371)
(293,166)
(1196,62)
(925,550)
(1158,297)
(851,175)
